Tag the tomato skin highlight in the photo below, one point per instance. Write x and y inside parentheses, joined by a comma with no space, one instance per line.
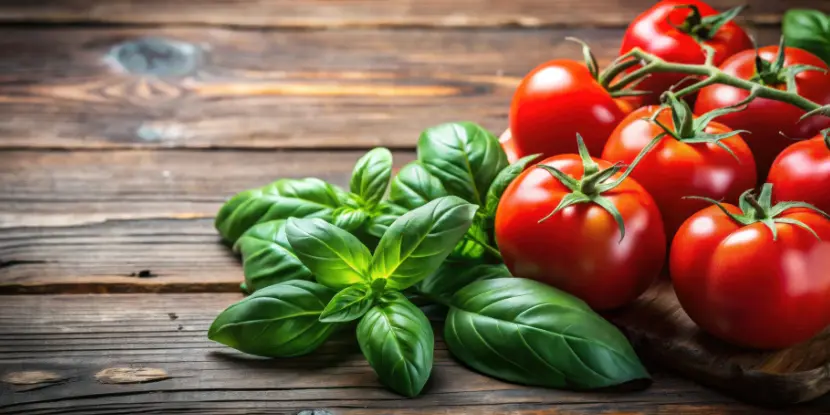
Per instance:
(740,285)
(674,169)
(765,118)
(557,100)
(579,249)
(802,172)
(652,33)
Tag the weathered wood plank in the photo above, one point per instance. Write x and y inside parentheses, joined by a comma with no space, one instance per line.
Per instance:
(92,221)
(210,88)
(75,337)
(364,13)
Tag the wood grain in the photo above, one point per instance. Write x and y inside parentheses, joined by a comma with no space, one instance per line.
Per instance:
(365,13)
(660,329)
(76,337)
(66,88)
(92,221)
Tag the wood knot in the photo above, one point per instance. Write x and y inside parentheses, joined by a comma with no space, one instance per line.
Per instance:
(131,375)
(32,377)
(157,57)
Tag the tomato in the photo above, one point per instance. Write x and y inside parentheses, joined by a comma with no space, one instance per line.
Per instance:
(556,101)
(802,172)
(766,119)
(580,248)
(509,147)
(679,166)
(677,35)
(741,283)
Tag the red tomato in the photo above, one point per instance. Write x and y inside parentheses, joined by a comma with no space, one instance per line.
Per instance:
(765,118)
(802,172)
(509,147)
(578,249)
(674,168)
(556,101)
(739,283)
(667,32)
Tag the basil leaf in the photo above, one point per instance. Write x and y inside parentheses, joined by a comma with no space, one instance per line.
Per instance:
(527,332)
(397,340)
(349,218)
(419,241)
(267,258)
(349,304)
(277,321)
(808,30)
(454,275)
(464,157)
(382,218)
(336,258)
(414,186)
(282,199)
(371,175)
(504,178)
(468,247)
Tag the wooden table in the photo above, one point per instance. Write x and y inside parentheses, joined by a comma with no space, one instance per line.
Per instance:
(124,125)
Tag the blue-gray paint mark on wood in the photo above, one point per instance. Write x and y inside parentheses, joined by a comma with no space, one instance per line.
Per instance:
(157,57)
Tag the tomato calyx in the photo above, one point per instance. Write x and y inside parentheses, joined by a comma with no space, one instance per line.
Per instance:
(688,129)
(591,186)
(605,78)
(775,73)
(761,209)
(826,135)
(704,28)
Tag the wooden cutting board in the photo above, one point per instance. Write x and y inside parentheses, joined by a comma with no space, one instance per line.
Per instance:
(661,331)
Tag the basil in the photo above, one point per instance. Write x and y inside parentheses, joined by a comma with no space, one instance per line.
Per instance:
(454,275)
(282,199)
(419,241)
(349,304)
(384,215)
(371,175)
(414,186)
(527,332)
(267,257)
(349,218)
(464,156)
(336,258)
(397,340)
(277,321)
(808,30)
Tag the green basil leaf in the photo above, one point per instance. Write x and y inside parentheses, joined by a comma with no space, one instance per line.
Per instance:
(469,247)
(277,321)
(349,304)
(282,199)
(527,332)
(371,175)
(808,30)
(419,241)
(349,218)
(336,258)
(454,275)
(382,218)
(464,156)
(504,178)
(267,258)
(414,186)
(397,340)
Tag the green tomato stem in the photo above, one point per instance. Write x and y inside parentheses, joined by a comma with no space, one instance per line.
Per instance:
(654,64)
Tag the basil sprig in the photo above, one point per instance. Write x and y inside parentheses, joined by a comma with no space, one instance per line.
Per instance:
(319,258)
(808,30)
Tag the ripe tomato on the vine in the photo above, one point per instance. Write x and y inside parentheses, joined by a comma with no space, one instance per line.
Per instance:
(802,172)
(755,275)
(676,31)
(768,119)
(576,223)
(685,156)
(556,101)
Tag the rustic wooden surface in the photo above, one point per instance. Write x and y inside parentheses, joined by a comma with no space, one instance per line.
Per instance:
(661,330)
(124,126)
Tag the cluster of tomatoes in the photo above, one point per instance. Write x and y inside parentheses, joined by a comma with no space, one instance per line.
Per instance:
(749,253)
